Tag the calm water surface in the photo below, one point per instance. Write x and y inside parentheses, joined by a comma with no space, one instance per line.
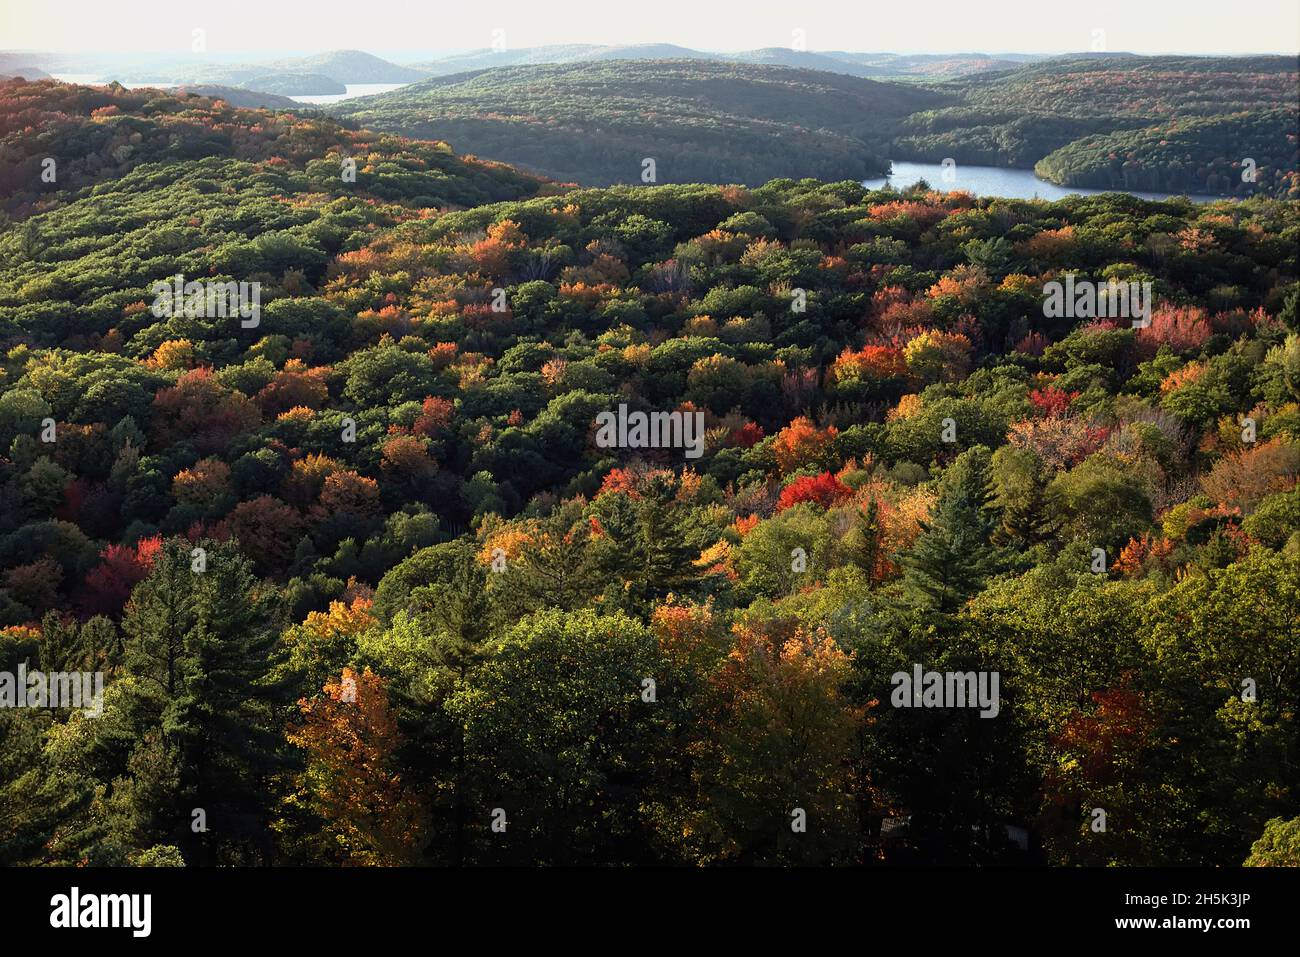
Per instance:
(995,181)
(354,89)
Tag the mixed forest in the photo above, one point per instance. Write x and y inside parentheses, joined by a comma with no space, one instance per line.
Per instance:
(1164,124)
(365,589)
(595,122)
(1168,124)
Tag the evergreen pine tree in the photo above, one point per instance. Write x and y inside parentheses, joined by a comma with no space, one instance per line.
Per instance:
(203,643)
(953,556)
(862,541)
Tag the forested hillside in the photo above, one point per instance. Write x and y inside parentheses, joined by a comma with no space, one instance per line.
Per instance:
(1170,124)
(293,84)
(881,65)
(1241,153)
(1142,87)
(594,123)
(235,96)
(364,584)
(98,134)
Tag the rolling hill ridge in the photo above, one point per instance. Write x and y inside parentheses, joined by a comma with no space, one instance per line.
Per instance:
(595,123)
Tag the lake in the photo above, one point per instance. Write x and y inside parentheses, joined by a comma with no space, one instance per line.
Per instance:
(353,89)
(94,79)
(996,181)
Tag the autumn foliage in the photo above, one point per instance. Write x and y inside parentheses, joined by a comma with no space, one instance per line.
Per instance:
(824,490)
(349,737)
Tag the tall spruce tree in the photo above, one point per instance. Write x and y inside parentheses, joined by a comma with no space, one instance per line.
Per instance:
(953,556)
(862,540)
(202,636)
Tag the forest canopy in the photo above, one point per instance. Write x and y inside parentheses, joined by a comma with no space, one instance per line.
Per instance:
(1162,123)
(363,585)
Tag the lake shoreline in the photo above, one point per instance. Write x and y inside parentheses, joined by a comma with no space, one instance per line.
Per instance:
(1005,182)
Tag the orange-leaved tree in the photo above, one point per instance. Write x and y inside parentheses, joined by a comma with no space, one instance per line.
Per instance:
(370,816)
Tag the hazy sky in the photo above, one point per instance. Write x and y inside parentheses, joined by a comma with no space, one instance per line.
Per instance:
(391,26)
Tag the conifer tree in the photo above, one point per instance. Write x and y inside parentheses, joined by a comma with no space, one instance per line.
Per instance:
(202,639)
(862,541)
(954,557)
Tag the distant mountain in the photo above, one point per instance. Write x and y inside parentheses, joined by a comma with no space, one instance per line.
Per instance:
(654,51)
(349,66)
(486,59)
(596,122)
(17,62)
(328,72)
(25,72)
(937,65)
(803,60)
(880,65)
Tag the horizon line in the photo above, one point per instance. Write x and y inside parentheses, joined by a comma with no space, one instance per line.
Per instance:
(473,50)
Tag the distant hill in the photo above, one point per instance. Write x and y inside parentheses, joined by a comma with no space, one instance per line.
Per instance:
(350,66)
(803,60)
(1122,121)
(1146,87)
(653,51)
(985,136)
(258,79)
(881,65)
(245,99)
(324,74)
(931,65)
(487,58)
(295,84)
(25,72)
(1193,155)
(315,75)
(701,121)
